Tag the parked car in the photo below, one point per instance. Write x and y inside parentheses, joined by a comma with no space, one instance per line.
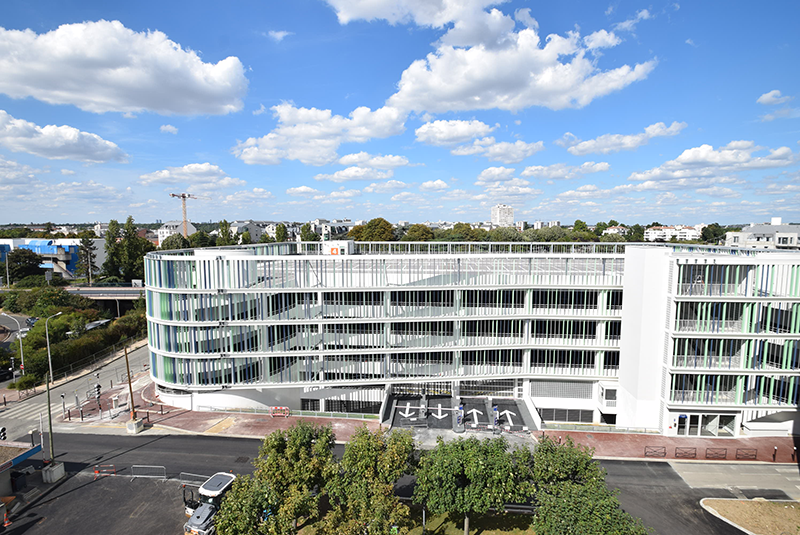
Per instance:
(31,321)
(6,374)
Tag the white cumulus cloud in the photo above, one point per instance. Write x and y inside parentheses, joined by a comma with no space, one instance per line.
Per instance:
(772,98)
(492,175)
(609,143)
(503,151)
(705,161)
(196,176)
(254,197)
(355,173)
(103,66)
(443,133)
(601,39)
(630,24)
(168,129)
(278,36)
(302,191)
(56,142)
(364,159)
(312,136)
(434,185)
(562,171)
(385,187)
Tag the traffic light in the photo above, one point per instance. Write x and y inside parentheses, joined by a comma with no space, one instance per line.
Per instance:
(97,390)
(3,433)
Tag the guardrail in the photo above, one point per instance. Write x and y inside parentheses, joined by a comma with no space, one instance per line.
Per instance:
(316,414)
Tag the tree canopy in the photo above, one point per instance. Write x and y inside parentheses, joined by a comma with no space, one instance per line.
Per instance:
(281,234)
(362,492)
(23,263)
(176,241)
(306,234)
(377,229)
(418,232)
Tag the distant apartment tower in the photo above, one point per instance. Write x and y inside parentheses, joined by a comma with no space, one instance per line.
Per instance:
(502,216)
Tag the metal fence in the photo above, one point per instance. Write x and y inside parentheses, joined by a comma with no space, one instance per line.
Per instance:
(318,414)
(192,480)
(152,472)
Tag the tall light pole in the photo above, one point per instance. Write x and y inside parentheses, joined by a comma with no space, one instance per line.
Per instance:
(47,335)
(19,337)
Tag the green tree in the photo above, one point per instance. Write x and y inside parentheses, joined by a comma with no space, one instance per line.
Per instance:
(225,236)
(356,233)
(570,494)
(418,232)
(112,266)
(296,463)
(600,227)
(281,234)
(87,256)
(22,263)
(377,229)
(201,239)
(133,250)
(242,509)
(266,238)
(306,234)
(467,477)
(176,241)
(636,234)
(712,233)
(505,234)
(461,232)
(362,493)
(580,226)
(245,238)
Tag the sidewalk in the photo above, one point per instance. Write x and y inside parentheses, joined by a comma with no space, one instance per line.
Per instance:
(656,447)
(161,418)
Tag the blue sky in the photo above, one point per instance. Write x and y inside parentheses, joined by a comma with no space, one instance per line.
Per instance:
(410,110)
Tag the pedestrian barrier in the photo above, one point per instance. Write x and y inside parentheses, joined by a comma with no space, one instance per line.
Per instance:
(152,472)
(193,480)
(686,453)
(747,453)
(280,411)
(716,453)
(101,470)
(655,451)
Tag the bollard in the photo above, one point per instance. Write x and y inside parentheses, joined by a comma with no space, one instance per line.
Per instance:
(774,454)
(162,410)
(148,416)
(110,384)
(559,439)
(69,415)
(794,453)
(4,400)
(81,409)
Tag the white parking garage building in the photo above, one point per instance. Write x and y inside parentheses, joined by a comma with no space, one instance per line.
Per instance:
(668,338)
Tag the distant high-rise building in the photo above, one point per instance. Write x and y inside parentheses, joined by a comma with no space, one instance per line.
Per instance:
(502,216)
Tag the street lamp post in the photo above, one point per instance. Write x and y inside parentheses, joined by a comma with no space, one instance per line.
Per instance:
(19,337)
(47,336)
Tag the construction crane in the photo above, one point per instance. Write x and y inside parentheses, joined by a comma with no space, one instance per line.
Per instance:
(183,197)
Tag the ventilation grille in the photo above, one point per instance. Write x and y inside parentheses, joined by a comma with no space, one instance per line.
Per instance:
(567,415)
(561,389)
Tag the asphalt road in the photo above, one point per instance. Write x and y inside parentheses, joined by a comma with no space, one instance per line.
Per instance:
(652,491)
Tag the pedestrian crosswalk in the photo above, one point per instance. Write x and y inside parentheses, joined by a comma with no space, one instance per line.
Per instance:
(27,410)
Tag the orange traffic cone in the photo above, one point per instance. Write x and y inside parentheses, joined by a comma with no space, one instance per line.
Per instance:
(6,521)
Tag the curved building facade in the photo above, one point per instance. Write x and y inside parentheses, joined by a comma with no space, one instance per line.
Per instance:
(688,340)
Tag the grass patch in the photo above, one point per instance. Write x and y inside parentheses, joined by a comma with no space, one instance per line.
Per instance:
(760,516)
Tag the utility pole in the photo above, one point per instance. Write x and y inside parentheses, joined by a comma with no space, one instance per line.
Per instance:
(130,386)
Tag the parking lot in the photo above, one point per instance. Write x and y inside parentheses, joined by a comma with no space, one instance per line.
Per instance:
(119,505)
